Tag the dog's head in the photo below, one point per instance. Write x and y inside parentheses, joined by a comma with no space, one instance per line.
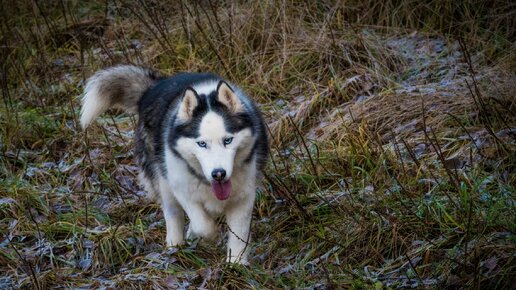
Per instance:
(213,132)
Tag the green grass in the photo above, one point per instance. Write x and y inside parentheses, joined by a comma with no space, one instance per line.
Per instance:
(392,144)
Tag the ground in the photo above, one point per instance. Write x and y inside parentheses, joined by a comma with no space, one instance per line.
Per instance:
(393,138)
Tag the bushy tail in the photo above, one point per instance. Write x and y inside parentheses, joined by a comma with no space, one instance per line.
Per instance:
(120,86)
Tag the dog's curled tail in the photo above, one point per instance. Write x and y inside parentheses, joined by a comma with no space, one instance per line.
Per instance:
(120,86)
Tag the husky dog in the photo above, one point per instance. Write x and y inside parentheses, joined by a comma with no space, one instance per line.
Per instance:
(200,144)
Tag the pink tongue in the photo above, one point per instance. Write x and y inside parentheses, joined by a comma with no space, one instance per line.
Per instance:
(221,190)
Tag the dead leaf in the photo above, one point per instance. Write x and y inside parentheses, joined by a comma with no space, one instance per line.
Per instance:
(491,263)
(453,163)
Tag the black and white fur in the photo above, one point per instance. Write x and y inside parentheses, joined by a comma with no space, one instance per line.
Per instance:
(200,144)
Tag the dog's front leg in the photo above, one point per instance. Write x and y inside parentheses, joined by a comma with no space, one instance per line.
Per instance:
(174,219)
(201,224)
(238,219)
(174,215)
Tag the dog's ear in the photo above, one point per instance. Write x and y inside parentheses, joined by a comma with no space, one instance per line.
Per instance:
(188,105)
(227,96)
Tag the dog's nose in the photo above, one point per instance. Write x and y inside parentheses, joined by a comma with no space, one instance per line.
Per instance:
(218,174)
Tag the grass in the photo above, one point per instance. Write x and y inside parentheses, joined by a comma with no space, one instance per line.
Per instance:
(392,133)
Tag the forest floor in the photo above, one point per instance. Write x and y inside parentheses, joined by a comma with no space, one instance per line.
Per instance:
(392,145)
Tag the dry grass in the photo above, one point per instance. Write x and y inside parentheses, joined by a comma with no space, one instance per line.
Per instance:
(393,143)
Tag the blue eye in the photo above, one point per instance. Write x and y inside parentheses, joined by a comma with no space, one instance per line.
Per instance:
(228,140)
(201,144)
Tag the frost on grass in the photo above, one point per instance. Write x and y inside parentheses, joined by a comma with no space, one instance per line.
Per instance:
(392,161)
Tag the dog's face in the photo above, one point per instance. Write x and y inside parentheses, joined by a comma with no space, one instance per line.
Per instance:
(213,132)
(215,147)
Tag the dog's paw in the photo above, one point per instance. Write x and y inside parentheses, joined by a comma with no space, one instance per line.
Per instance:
(190,235)
(239,260)
(173,241)
(205,231)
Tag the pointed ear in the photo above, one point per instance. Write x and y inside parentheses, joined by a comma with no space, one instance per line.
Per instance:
(227,96)
(188,105)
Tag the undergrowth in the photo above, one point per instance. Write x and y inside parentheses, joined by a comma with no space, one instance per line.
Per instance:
(392,133)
